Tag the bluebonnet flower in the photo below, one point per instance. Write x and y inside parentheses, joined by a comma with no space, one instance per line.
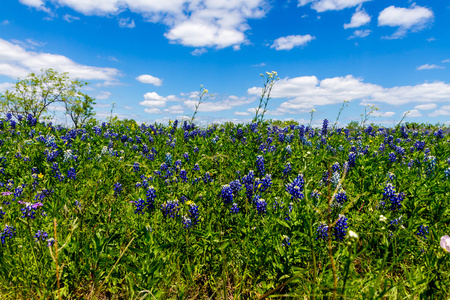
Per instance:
(287,169)
(261,206)
(170,208)
(30,209)
(430,162)
(57,172)
(117,189)
(335,179)
(207,178)
(340,197)
(234,208)
(50,242)
(288,149)
(447,173)
(226,194)
(286,241)
(192,218)
(422,231)
(315,194)
(295,188)
(196,167)
(260,165)
(41,235)
(136,167)
(395,223)
(183,175)
(336,167)
(392,157)
(325,127)
(340,229)
(322,232)
(168,159)
(236,186)
(1,213)
(351,159)
(186,156)
(8,232)
(395,199)
(72,174)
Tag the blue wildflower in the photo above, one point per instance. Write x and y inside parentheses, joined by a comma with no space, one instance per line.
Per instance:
(234,208)
(295,188)
(260,165)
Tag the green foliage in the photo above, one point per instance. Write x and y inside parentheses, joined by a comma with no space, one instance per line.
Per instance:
(34,94)
(109,249)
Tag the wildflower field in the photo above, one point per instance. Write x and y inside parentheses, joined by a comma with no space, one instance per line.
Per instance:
(232,211)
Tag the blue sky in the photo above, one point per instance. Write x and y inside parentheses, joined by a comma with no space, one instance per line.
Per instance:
(150,57)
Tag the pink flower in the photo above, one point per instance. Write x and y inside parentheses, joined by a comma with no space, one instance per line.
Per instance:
(445,243)
(6,193)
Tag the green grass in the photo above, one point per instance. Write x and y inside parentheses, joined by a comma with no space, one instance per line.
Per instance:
(107,251)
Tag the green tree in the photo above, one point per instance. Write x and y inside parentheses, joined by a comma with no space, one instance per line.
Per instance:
(34,94)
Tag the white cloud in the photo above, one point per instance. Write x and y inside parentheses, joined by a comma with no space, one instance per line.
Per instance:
(5,86)
(145,78)
(385,114)
(209,23)
(303,93)
(431,39)
(446,61)
(291,41)
(199,51)
(360,33)
(153,100)
(128,107)
(211,106)
(15,62)
(126,23)
(5,22)
(241,113)
(102,105)
(324,5)
(359,18)
(429,67)
(259,65)
(428,106)
(413,113)
(152,110)
(174,109)
(28,43)
(103,95)
(406,19)
(443,111)
(70,18)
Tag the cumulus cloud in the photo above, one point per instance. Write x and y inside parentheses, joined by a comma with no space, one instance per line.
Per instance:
(153,100)
(385,114)
(5,86)
(103,95)
(413,113)
(16,61)
(210,23)
(241,113)
(359,18)
(291,41)
(429,67)
(199,51)
(324,5)
(428,106)
(126,23)
(443,111)
(360,33)
(446,61)
(213,106)
(406,19)
(145,78)
(303,93)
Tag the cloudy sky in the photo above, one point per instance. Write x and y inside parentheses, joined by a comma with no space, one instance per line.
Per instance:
(150,57)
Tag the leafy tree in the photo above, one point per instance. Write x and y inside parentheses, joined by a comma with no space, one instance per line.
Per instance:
(34,94)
